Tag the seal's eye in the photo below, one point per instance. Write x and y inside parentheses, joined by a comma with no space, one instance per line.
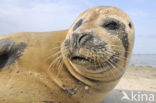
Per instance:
(112,25)
(130,25)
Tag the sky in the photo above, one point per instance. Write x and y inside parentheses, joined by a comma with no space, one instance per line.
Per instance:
(52,15)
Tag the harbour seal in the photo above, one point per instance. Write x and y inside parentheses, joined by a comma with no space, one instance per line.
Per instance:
(78,65)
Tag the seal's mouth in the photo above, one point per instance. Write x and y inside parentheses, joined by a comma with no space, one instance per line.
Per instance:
(79,58)
(83,60)
(91,62)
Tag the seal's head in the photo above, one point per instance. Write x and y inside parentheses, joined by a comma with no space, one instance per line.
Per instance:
(99,43)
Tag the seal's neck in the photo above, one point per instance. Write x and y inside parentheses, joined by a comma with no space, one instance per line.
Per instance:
(98,85)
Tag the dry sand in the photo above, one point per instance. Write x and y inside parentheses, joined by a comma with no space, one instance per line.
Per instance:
(137,80)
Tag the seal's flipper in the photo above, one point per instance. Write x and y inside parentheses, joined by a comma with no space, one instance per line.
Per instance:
(9,52)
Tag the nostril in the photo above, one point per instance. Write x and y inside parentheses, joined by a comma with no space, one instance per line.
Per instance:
(81,37)
(77,39)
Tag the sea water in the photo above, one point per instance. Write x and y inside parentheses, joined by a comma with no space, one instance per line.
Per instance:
(143,60)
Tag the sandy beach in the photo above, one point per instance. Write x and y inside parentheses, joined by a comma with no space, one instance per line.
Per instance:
(138,78)
(137,81)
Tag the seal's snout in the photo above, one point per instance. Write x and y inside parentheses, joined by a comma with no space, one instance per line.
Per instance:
(79,41)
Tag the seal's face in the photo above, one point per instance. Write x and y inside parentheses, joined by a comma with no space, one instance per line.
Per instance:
(101,39)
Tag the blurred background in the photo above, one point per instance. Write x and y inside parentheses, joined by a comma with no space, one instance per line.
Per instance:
(50,15)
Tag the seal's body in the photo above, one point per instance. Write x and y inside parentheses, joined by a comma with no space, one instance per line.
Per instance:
(79,65)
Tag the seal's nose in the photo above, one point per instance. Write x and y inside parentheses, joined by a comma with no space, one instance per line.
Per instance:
(80,39)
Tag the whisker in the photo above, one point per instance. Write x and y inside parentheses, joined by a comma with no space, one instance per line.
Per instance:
(54,62)
(120,49)
(58,47)
(118,70)
(121,57)
(112,67)
(59,67)
(116,45)
(55,54)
